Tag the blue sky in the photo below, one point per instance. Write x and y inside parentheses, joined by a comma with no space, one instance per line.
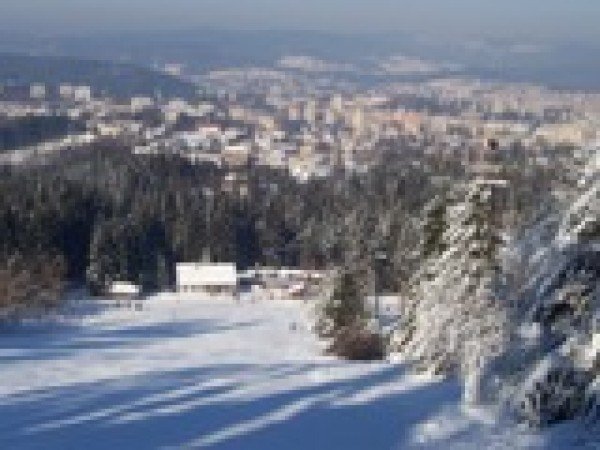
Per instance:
(576,19)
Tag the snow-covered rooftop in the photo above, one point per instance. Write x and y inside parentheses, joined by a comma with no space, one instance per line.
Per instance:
(206,274)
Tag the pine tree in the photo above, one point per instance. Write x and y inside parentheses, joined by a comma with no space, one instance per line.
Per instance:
(345,307)
(344,320)
(554,373)
(455,319)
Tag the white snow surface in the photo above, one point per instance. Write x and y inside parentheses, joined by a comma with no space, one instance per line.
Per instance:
(193,373)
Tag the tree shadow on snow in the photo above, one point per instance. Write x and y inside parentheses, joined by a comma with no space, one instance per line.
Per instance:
(217,407)
(64,342)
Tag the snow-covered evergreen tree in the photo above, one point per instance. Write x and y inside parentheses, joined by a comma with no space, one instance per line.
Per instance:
(519,317)
(456,318)
(551,369)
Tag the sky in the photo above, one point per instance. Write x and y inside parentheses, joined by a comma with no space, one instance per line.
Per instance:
(543,19)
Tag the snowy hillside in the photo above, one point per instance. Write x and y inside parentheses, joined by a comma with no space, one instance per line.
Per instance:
(183,373)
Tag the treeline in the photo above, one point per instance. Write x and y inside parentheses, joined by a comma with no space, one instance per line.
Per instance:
(109,215)
(31,130)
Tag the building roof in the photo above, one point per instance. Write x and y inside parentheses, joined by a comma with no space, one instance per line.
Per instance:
(206,274)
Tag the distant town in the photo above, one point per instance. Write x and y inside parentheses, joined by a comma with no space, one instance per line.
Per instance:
(297,117)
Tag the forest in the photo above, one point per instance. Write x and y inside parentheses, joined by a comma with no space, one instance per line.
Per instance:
(109,215)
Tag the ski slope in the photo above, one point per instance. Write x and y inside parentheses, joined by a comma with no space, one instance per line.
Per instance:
(190,373)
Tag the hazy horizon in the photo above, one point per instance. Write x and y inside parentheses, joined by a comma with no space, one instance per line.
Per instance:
(539,19)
